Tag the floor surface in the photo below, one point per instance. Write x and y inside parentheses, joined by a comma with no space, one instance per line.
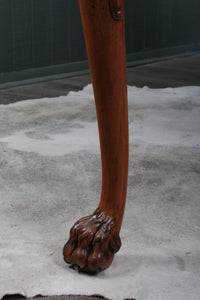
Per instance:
(176,72)
(41,145)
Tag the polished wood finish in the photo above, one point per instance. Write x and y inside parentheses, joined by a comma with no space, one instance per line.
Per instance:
(95,239)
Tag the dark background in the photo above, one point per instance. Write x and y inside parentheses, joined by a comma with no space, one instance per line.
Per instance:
(43,39)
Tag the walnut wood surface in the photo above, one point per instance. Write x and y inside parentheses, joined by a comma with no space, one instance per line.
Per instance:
(95,239)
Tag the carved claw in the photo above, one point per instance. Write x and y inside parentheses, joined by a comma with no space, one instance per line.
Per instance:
(92,244)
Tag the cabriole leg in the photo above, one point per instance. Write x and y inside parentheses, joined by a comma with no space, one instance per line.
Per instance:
(95,239)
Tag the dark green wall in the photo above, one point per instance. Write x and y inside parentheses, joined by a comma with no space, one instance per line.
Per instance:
(43,39)
(155,24)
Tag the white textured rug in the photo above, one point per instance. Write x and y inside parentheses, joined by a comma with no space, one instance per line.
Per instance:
(50,176)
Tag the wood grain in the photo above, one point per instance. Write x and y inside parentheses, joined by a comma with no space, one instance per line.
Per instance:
(105,42)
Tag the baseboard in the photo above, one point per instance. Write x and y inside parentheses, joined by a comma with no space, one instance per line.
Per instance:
(150,56)
(30,76)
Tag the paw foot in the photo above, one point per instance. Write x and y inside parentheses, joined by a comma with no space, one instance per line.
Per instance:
(92,244)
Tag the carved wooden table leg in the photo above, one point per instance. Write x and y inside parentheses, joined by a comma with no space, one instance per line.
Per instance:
(95,239)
